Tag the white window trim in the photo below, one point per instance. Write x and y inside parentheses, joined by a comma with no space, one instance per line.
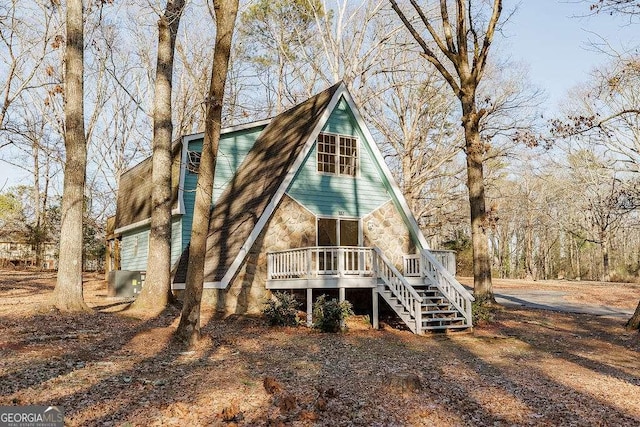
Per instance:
(337,164)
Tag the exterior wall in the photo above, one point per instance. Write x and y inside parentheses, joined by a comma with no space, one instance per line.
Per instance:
(291,226)
(136,260)
(232,151)
(333,195)
(386,229)
(135,249)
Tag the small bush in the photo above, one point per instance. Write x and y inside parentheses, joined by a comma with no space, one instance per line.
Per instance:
(328,315)
(282,310)
(481,311)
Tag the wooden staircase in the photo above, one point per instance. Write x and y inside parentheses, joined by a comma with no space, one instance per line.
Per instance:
(437,313)
(439,302)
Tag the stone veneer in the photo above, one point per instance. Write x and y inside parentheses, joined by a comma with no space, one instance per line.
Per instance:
(291,226)
(386,229)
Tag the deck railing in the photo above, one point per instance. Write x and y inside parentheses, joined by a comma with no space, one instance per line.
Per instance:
(457,295)
(400,288)
(411,265)
(412,268)
(347,261)
(320,261)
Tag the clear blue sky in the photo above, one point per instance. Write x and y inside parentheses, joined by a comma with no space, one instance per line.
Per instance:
(549,36)
(554,37)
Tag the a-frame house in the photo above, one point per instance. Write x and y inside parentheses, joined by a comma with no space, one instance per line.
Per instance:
(303,201)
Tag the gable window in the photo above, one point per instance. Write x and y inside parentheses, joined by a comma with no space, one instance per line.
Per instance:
(193,161)
(337,154)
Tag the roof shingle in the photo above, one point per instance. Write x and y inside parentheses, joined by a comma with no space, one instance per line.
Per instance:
(257,180)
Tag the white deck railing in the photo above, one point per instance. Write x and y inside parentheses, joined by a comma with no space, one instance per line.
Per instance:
(412,268)
(348,261)
(320,261)
(400,288)
(411,265)
(457,295)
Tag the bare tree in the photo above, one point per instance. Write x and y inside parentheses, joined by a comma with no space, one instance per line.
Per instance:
(189,327)
(157,289)
(411,108)
(27,36)
(627,7)
(632,9)
(277,34)
(68,293)
(463,45)
(603,117)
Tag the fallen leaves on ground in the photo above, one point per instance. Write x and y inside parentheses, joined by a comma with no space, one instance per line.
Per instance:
(527,367)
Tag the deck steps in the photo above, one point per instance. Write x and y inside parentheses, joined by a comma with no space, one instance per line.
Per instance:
(437,313)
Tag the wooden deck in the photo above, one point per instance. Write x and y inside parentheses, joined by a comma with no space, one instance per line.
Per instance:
(425,295)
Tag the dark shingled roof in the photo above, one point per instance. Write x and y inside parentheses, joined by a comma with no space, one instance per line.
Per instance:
(134,190)
(256,182)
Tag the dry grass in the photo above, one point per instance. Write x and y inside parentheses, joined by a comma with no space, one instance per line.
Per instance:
(528,367)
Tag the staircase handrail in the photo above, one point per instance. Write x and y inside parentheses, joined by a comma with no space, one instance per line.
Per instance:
(400,288)
(457,295)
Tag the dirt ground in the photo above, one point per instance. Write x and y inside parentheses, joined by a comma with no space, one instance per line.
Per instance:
(526,367)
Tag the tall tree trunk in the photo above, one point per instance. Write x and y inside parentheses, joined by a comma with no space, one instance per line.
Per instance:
(578,266)
(36,234)
(482,286)
(155,294)
(67,295)
(634,323)
(189,328)
(462,49)
(604,247)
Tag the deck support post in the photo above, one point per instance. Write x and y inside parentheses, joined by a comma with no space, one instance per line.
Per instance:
(374,305)
(418,316)
(309,307)
(341,298)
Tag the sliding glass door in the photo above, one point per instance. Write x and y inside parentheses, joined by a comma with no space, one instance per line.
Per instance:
(337,232)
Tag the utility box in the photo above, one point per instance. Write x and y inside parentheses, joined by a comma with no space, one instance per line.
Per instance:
(124,283)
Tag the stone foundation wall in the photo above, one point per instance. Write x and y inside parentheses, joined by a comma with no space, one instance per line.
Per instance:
(385,229)
(290,227)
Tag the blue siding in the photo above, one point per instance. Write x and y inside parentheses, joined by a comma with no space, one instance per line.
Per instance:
(231,153)
(135,249)
(176,239)
(332,195)
(135,259)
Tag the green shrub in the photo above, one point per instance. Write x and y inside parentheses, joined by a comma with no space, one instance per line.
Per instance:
(282,310)
(481,311)
(328,315)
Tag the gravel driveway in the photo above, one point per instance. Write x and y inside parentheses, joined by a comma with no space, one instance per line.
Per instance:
(555,301)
